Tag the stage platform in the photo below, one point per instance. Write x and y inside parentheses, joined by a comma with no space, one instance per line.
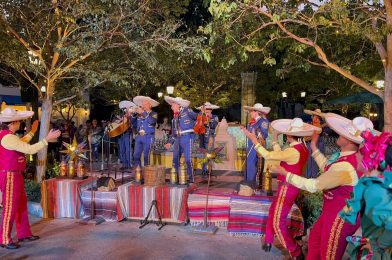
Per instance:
(240,215)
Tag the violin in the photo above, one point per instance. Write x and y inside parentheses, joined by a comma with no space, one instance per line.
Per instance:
(200,127)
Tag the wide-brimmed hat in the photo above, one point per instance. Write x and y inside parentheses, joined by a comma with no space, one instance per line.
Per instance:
(350,129)
(316,112)
(138,100)
(258,107)
(208,105)
(294,127)
(126,104)
(178,100)
(10,115)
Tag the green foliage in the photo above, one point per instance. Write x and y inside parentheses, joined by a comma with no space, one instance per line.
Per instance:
(97,43)
(346,31)
(33,190)
(53,170)
(311,206)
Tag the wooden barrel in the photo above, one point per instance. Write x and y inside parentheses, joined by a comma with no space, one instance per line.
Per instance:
(154,175)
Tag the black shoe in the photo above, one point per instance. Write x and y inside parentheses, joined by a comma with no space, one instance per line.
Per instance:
(267,247)
(10,245)
(30,238)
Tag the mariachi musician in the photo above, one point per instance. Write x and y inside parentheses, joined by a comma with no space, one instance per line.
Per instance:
(259,124)
(182,133)
(144,121)
(205,127)
(125,140)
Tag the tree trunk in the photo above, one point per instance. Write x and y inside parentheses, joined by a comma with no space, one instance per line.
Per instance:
(388,100)
(47,106)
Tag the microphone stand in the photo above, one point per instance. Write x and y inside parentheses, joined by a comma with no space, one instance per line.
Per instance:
(92,220)
(102,151)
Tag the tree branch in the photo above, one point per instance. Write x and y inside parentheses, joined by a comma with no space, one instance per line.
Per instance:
(323,56)
(26,75)
(57,102)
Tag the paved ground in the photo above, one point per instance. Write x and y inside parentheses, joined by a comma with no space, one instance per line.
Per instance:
(66,239)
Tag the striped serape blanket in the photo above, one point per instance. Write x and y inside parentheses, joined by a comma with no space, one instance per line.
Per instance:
(134,201)
(248,216)
(105,204)
(218,208)
(61,198)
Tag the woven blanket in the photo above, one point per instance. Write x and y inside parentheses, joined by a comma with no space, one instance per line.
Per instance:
(248,216)
(105,204)
(61,198)
(134,202)
(218,208)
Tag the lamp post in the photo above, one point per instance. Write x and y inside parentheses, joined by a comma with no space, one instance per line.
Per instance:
(380,84)
(170,90)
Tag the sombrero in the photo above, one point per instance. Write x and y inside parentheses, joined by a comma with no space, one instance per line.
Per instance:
(316,112)
(126,104)
(208,105)
(10,115)
(294,127)
(138,100)
(350,129)
(258,107)
(178,100)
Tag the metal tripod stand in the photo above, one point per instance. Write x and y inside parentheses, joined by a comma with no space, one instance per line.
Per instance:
(145,221)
